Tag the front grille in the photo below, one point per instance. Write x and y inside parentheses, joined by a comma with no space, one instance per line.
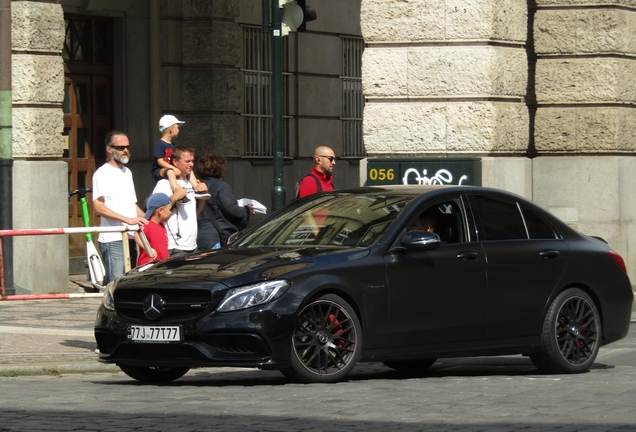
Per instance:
(179,305)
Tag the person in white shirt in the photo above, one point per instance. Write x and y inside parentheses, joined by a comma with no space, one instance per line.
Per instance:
(182,224)
(114,199)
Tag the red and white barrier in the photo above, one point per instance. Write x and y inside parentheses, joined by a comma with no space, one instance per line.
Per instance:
(56,231)
(51,296)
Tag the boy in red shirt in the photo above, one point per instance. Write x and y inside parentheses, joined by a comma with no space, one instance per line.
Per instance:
(159,207)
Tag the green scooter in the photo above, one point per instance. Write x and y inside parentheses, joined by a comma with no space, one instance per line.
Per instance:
(94,262)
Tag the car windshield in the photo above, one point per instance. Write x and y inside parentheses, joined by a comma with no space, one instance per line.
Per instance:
(344,219)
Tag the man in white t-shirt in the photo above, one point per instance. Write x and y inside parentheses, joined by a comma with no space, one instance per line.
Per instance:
(115,200)
(182,224)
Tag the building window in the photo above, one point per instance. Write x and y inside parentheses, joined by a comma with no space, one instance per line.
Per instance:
(257,110)
(87,40)
(352,97)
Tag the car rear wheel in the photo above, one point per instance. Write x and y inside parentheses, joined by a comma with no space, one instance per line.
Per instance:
(410,365)
(571,334)
(153,374)
(326,341)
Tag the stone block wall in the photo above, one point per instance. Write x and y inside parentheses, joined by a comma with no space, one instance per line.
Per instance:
(40,185)
(445,77)
(586,114)
(211,81)
(37,36)
(585,70)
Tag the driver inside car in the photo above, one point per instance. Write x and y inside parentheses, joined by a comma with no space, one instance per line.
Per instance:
(423,222)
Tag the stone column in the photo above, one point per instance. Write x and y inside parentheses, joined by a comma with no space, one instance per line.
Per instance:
(586,117)
(212,79)
(40,185)
(445,77)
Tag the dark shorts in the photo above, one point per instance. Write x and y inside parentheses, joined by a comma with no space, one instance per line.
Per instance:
(179,252)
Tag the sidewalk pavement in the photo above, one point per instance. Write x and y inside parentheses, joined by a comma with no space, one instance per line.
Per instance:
(51,336)
(54,336)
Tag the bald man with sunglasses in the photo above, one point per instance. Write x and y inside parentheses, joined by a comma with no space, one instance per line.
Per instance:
(320,177)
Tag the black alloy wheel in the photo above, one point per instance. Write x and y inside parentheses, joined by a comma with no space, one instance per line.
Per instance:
(571,334)
(326,341)
(153,374)
(410,365)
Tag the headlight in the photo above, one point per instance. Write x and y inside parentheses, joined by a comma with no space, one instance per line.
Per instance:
(252,295)
(109,296)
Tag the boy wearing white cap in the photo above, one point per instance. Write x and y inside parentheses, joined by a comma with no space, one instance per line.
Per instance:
(162,167)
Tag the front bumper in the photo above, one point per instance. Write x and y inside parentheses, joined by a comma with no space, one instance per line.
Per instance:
(255,337)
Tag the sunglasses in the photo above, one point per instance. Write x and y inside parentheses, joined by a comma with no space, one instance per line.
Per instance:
(331,158)
(121,148)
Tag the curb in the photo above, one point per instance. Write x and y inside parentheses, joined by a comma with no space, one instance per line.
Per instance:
(57,368)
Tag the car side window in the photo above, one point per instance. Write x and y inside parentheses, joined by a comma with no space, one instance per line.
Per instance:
(499,219)
(537,227)
(443,218)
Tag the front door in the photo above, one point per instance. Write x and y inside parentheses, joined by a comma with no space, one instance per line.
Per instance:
(438,297)
(87,109)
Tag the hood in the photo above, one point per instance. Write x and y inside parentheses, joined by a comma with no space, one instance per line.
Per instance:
(235,266)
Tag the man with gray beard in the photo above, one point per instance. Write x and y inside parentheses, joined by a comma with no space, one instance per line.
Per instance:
(115,200)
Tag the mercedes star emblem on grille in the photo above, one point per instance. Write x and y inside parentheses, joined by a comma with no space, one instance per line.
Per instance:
(153,306)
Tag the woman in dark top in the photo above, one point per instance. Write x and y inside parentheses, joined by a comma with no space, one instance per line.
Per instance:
(222,205)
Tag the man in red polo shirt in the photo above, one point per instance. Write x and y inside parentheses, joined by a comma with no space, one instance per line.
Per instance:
(319,179)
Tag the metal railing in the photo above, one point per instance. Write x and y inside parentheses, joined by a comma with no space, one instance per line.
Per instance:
(352,98)
(79,230)
(257,109)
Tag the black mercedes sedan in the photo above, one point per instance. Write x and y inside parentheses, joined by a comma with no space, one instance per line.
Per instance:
(402,275)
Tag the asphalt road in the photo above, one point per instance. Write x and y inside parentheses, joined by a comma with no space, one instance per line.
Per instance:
(477,394)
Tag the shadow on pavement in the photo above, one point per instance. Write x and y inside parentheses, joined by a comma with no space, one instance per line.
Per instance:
(443,368)
(90,346)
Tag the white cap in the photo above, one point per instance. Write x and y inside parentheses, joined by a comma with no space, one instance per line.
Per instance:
(168,120)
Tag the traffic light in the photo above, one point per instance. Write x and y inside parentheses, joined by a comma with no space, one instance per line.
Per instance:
(309,14)
(295,15)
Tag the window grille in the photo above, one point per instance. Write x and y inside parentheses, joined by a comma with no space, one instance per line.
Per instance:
(352,97)
(257,110)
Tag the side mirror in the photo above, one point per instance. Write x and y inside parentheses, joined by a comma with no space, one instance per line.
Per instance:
(420,240)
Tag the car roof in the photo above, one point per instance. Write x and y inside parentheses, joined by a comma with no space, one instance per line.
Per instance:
(416,190)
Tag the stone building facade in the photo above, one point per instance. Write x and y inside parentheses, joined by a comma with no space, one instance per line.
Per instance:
(541,92)
(84,67)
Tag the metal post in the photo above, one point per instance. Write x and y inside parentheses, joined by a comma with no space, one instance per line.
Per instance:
(6,150)
(278,192)
(265,12)
(126,250)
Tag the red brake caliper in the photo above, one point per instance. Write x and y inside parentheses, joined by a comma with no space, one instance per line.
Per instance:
(338,329)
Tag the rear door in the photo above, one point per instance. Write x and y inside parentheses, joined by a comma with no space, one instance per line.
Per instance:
(526,259)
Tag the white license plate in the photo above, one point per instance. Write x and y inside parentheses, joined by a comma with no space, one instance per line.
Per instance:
(155,333)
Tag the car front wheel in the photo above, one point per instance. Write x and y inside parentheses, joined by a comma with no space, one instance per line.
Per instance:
(326,341)
(153,374)
(571,335)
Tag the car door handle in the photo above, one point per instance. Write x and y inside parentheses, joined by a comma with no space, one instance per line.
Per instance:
(549,254)
(467,256)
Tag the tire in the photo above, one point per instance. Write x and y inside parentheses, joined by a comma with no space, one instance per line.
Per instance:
(571,334)
(326,341)
(153,374)
(410,365)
